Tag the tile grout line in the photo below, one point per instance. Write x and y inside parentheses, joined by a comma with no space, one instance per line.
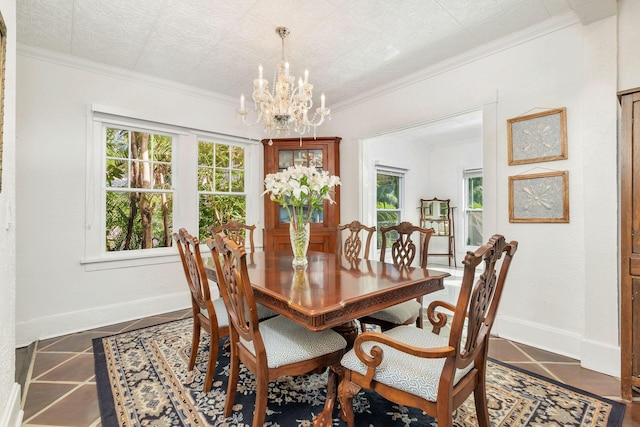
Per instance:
(27,382)
(75,355)
(62,397)
(540,365)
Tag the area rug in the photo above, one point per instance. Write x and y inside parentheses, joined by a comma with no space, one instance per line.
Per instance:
(143,380)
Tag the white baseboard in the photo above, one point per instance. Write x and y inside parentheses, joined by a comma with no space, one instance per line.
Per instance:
(601,357)
(597,356)
(81,320)
(12,415)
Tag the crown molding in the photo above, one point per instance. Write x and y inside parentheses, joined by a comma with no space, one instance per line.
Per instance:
(121,73)
(546,27)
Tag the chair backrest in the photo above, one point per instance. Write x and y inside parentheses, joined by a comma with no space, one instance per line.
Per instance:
(230,259)
(189,249)
(236,231)
(403,249)
(477,303)
(351,247)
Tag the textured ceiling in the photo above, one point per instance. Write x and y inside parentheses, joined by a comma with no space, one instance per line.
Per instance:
(349,46)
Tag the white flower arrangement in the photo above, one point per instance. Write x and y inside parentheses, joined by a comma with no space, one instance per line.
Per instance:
(300,188)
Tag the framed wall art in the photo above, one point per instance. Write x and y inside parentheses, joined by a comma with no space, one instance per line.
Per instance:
(541,197)
(539,137)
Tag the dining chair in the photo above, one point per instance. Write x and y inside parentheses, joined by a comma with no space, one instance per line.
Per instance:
(351,247)
(419,368)
(403,253)
(269,349)
(208,314)
(237,231)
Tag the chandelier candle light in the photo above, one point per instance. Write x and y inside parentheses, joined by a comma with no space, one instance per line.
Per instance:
(285,107)
(300,190)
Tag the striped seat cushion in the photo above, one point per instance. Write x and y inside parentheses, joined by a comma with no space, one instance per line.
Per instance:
(287,342)
(415,375)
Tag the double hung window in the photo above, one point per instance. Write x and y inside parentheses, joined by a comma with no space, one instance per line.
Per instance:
(389,200)
(473,207)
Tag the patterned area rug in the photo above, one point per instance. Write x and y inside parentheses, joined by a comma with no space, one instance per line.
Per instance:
(142,379)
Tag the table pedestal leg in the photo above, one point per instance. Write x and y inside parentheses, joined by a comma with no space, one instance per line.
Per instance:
(349,331)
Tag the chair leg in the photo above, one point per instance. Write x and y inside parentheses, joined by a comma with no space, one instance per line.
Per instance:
(195,341)
(262,392)
(213,359)
(234,373)
(480,398)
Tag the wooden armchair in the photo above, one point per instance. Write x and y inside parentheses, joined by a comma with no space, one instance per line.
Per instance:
(403,252)
(419,368)
(207,314)
(238,232)
(351,247)
(272,348)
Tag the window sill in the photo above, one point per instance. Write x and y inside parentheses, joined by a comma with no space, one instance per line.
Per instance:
(129,259)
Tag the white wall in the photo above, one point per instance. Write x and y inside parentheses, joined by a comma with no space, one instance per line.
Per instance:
(56,294)
(628,52)
(10,414)
(553,299)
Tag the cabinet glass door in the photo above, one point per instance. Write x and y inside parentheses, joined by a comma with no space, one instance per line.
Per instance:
(300,157)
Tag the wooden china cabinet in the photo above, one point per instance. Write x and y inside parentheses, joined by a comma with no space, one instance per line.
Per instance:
(324,154)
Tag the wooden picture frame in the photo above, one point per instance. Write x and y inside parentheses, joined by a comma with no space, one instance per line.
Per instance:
(540,137)
(3,53)
(541,197)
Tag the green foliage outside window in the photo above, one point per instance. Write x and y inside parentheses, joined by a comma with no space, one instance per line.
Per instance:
(221,186)
(387,204)
(474,211)
(138,219)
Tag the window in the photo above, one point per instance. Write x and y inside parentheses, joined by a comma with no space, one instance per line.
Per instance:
(138,189)
(473,207)
(221,185)
(146,179)
(389,193)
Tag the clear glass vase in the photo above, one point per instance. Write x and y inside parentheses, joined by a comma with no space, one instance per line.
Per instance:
(299,232)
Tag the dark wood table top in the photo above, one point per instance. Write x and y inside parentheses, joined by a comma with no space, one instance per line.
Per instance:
(332,291)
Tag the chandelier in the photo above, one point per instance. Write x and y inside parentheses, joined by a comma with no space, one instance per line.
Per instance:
(285,107)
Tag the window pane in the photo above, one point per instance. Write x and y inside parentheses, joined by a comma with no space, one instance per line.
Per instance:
(216,210)
(138,220)
(162,148)
(117,174)
(118,143)
(474,228)
(386,219)
(162,176)
(475,193)
(205,154)
(222,156)
(222,180)
(237,181)
(205,179)
(387,191)
(237,157)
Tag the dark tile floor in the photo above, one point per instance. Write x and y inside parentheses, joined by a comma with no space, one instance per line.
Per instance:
(60,387)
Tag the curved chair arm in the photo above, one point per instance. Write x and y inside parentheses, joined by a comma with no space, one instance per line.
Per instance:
(438,320)
(374,358)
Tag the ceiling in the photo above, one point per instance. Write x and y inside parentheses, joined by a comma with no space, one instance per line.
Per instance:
(349,46)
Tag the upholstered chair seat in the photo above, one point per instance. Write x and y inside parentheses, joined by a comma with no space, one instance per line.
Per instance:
(399,313)
(287,342)
(416,375)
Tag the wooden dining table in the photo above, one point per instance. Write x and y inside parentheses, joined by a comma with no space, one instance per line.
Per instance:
(332,292)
